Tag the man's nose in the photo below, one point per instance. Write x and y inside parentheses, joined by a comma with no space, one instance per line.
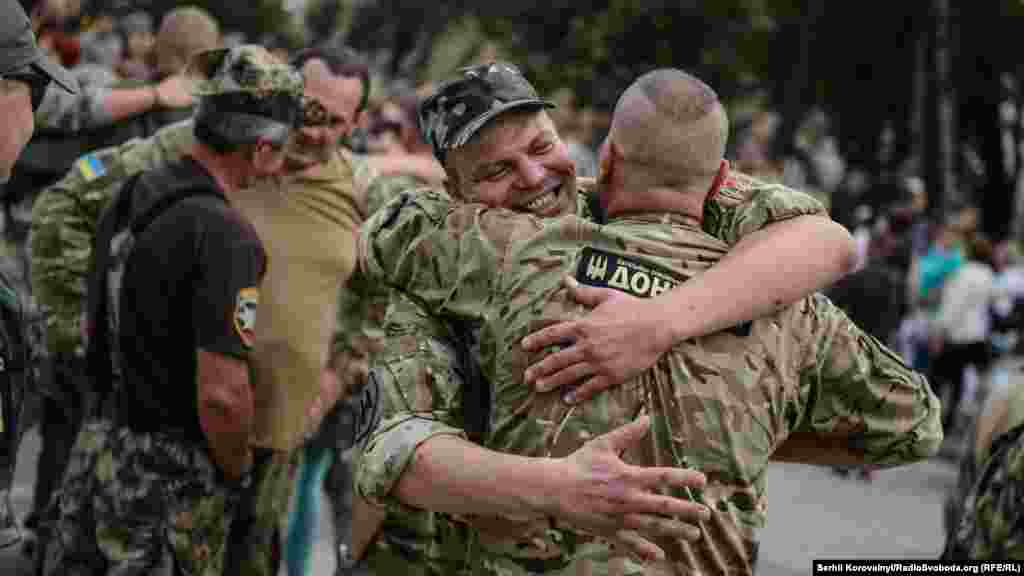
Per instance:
(531,173)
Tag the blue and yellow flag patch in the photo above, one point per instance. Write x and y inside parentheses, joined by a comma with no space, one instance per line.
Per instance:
(91,167)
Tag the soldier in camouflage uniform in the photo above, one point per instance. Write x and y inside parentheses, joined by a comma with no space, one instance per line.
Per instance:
(416,370)
(153,489)
(984,509)
(724,404)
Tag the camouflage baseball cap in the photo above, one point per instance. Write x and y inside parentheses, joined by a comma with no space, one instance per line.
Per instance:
(462,106)
(245,86)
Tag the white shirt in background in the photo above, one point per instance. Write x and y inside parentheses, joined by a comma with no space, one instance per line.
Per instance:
(967,297)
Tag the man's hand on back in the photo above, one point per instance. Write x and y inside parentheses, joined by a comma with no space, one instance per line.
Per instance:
(600,494)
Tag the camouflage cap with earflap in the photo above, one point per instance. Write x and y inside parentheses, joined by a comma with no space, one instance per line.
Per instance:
(245,87)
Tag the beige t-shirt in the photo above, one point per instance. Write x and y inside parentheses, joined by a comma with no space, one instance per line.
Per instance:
(308,223)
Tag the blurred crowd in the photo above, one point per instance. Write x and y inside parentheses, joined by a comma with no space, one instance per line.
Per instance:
(931,286)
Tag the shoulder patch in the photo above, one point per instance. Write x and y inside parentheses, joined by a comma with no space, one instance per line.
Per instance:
(367,409)
(607,270)
(91,167)
(244,318)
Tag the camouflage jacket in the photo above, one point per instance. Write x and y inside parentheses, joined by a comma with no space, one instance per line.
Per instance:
(990,526)
(722,404)
(413,360)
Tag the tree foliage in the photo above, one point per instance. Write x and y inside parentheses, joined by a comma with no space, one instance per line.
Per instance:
(869,65)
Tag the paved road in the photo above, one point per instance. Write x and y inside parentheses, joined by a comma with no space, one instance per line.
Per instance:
(812,514)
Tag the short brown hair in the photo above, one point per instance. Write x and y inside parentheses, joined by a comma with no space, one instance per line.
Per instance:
(672,126)
(183,32)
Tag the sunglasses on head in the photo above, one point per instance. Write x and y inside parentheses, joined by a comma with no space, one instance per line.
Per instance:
(36,82)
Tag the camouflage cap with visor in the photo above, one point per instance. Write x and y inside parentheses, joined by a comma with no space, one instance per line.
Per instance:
(462,106)
(246,91)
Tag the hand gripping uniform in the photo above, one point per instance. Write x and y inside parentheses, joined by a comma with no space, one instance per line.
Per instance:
(720,404)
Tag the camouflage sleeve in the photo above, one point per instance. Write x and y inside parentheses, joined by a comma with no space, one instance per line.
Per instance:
(64,220)
(743,205)
(417,385)
(861,390)
(424,245)
(64,223)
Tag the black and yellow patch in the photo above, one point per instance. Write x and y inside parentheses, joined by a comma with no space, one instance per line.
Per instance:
(244,317)
(607,270)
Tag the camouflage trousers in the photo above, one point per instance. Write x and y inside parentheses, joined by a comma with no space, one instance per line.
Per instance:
(140,503)
(255,541)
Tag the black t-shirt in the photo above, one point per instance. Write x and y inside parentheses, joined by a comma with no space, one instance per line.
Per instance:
(192,281)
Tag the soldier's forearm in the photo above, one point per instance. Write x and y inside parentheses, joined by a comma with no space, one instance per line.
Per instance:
(764,271)
(452,475)
(225,405)
(126,102)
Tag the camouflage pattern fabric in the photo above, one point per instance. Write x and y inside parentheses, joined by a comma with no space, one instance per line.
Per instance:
(140,504)
(426,543)
(414,377)
(248,68)
(721,404)
(990,528)
(62,110)
(1001,413)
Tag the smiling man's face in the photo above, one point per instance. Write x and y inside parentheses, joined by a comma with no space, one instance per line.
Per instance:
(518,162)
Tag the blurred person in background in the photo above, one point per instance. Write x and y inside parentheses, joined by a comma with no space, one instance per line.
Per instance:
(963,325)
(139,40)
(395,146)
(104,105)
(862,220)
(572,126)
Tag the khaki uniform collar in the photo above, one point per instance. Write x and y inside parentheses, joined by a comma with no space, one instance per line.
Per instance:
(682,220)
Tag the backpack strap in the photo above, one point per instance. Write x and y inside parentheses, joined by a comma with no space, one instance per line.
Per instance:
(115,242)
